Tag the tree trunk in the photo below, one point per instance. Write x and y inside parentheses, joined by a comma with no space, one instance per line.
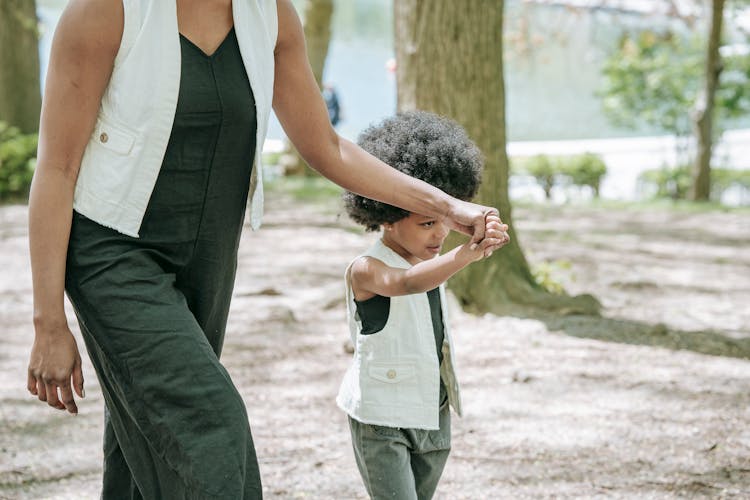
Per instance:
(317,26)
(20,96)
(703,117)
(450,63)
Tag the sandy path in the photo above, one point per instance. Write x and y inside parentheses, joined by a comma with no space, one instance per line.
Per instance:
(548,414)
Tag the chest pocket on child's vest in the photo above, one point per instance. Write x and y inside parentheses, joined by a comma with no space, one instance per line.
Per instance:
(391,373)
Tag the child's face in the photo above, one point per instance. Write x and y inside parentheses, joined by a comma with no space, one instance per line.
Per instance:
(416,237)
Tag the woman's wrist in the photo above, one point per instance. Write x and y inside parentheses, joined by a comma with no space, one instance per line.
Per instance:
(46,323)
(452,208)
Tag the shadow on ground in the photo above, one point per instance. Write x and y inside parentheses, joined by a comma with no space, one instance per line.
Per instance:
(641,333)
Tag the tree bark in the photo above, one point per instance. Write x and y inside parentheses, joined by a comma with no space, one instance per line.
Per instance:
(317,27)
(703,116)
(450,62)
(20,96)
(318,14)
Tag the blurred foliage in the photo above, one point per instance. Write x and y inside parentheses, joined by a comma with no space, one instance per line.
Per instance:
(586,169)
(674,182)
(652,78)
(17,162)
(544,171)
(305,189)
(724,178)
(547,275)
(670,182)
(656,78)
(272,158)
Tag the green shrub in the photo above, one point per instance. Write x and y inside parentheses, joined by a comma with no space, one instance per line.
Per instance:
(675,182)
(17,162)
(670,182)
(585,170)
(543,170)
(581,170)
(724,178)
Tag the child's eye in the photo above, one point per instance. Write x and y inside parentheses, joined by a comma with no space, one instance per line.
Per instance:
(429,224)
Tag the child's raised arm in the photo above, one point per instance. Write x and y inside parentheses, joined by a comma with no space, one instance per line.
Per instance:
(370,276)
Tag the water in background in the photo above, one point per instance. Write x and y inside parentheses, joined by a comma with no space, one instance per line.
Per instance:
(553,58)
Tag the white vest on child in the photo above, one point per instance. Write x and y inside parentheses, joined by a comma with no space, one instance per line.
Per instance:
(124,154)
(394,379)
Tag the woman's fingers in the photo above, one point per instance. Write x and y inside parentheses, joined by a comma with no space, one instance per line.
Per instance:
(57,393)
(492,218)
(78,379)
(41,390)
(66,398)
(31,383)
(497,231)
(496,225)
(478,233)
(52,397)
(495,234)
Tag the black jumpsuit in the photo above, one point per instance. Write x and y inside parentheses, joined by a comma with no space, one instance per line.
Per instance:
(153,309)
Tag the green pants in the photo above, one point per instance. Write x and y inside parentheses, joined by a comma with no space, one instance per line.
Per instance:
(401,464)
(176,426)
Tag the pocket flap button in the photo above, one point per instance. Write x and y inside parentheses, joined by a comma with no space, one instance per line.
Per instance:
(104,137)
(391,374)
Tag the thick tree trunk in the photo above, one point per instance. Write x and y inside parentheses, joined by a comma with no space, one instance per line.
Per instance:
(20,97)
(317,26)
(703,117)
(450,63)
(318,14)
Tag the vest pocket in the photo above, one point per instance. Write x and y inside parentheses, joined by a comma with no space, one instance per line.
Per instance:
(391,373)
(113,137)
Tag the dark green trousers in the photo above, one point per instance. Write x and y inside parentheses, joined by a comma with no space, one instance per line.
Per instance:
(401,464)
(176,427)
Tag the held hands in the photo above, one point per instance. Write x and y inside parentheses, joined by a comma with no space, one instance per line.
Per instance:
(495,237)
(56,364)
(483,224)
(472,219)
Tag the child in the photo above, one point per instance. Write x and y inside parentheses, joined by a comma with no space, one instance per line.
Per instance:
(398,389)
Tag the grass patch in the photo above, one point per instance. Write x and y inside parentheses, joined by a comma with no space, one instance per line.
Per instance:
(305,189)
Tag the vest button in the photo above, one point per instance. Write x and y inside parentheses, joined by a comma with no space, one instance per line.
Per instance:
(104,137)
(391,374)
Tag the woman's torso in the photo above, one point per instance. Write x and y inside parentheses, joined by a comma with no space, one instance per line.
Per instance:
(196,209)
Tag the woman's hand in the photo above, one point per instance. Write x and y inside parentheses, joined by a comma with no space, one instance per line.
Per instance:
(475,221)
(56,364)
(495,237)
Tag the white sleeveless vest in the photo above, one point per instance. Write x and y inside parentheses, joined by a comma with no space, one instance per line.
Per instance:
(394,379)
(124,154)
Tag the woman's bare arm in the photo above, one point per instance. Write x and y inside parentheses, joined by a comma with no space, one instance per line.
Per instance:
(83,51)
(301,110)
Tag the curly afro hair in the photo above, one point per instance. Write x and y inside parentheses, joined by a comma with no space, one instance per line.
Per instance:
(425,146)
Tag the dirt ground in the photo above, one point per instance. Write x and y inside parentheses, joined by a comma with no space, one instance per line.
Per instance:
(650,401)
